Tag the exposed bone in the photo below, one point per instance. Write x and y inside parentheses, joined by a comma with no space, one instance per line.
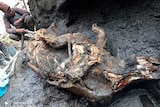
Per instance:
(69,50)
(52,82)
(58,64)
(93,72)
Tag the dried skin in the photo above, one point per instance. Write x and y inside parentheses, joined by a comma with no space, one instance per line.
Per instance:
(73,62)
(102,38)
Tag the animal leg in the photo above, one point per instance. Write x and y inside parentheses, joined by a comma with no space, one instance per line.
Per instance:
(102,38)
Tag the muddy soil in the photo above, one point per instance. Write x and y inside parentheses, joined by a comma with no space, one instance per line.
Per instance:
(132,27)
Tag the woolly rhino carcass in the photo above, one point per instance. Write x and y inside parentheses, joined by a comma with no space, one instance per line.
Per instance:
(73,62)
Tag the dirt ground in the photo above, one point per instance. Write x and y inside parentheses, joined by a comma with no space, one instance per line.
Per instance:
(132,28)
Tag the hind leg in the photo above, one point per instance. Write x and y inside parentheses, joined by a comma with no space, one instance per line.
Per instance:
(102,38)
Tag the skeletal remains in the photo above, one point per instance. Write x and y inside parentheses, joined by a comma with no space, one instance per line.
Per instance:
(73,62)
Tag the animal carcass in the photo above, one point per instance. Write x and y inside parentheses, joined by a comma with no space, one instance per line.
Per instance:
(73,62)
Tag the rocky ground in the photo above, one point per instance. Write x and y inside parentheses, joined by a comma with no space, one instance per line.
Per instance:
(132,28)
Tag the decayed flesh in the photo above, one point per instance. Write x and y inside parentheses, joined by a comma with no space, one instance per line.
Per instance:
(73,62)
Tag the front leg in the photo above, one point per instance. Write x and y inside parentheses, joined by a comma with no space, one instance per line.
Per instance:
(102,38)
